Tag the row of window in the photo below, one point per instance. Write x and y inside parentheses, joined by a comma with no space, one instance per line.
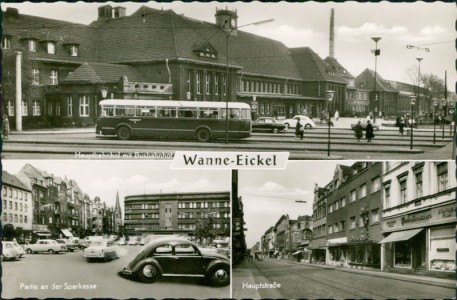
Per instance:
(442,178)
(17,206)
(84,107)
(53,77)
(17,218)
(255,86)
(15,194)
(206,83)
(204,215)
(373,218)
(32,45)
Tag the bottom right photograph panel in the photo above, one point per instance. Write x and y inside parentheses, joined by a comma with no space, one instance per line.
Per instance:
(345,229)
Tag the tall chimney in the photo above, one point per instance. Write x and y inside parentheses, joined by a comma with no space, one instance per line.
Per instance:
(332,34)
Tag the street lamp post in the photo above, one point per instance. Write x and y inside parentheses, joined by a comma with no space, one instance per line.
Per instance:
(435,104)
(377,52)
(413,101)
(443,109)
(418,80)
(228,31)
(330,95)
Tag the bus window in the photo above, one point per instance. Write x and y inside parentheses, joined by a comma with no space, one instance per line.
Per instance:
(168,112)
(184,112)
(234,113)
(146,111)
(245,114)
(125,111)
(211,113)
(107,111)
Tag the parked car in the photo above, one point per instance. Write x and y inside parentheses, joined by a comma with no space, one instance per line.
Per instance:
(133,241)
(102,249)
(67,245)
(178,257)
(121,242)
(50,246)
(78,243)
(364,123)
(19,249)
(267,124)
(305,121)
(9,251)
(141,242)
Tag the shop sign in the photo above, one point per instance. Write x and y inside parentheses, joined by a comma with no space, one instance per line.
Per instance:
(445,212)
(416,218)
(342,240)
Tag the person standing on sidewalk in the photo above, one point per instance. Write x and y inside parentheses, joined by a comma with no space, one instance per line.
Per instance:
(358,131)
(369,134)
(299,130)
(337,115)
(5,127)
(401,126)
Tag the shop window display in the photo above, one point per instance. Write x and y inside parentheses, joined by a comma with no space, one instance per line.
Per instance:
(403,254)
(442,249)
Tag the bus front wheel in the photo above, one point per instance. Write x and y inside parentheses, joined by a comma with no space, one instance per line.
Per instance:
(203,135)
(123,133)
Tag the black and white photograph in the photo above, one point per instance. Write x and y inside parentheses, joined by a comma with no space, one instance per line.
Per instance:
(99,229)
(142,80)
(345,230)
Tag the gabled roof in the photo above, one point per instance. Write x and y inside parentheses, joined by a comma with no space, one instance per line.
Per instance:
(101,73)
(338,68)
(11,180)
(367,78)
(312,67)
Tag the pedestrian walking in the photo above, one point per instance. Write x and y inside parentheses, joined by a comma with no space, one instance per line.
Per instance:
(358,131)
(369,134)
(337,115)
(299,130)
(401,126)
(5,127)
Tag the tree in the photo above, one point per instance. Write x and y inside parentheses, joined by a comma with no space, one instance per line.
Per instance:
(204,229)
(434,85)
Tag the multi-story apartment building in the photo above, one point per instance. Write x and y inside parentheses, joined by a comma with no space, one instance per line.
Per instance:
(418,217)
(268,242)
(353,216)
(177,213)
(318,245)
(17,209)
(58,207)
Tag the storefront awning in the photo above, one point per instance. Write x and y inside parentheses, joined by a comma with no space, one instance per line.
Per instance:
(66,233)
(401,236)
(297,252)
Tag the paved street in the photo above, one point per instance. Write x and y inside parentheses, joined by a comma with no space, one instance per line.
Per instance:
(386,145)
(299,280)
(96,279)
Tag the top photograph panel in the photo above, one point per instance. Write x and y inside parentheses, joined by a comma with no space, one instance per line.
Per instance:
(143,80)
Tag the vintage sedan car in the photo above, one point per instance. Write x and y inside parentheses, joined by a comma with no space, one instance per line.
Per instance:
(50,246)
(267,124)
(305,121)
(364,123)
(101,249)
(178,257)
(19,249)
(9,251)
(67,245)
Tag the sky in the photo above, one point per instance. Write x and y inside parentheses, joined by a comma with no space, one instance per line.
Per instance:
(269,194)
(424,25)
(104,178)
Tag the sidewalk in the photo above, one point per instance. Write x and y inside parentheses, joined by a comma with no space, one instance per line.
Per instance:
(243,273)
(54,131)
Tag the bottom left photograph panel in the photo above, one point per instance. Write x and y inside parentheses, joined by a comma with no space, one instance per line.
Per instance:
(114,229)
